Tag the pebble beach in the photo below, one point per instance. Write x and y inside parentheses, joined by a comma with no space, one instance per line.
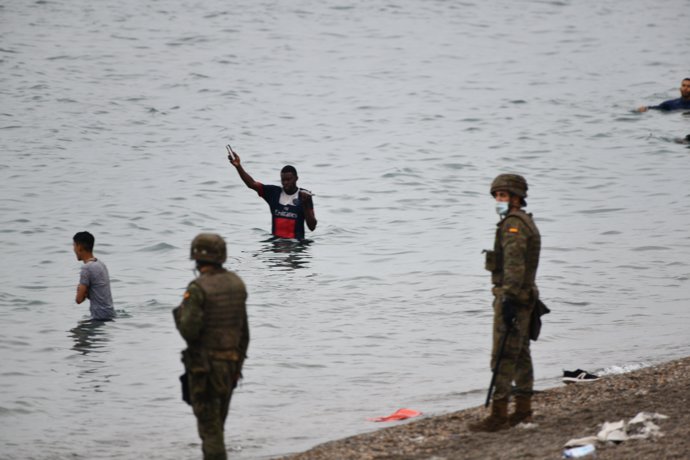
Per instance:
(560,414)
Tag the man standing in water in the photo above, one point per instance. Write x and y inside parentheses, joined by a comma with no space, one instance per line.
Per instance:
(213,321)
(94,281)
(513,266)
(290,206)
(682,103)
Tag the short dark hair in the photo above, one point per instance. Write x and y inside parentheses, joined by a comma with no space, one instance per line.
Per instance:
(289,169)
(85,240)
(686,79)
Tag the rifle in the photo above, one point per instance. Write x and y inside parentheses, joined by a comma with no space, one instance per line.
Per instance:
(494,371)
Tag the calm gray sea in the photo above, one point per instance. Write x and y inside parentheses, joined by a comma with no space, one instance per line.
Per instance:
(114,117)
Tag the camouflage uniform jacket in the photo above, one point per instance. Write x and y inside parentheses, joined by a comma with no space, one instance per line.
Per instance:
(213,318)
(513,262)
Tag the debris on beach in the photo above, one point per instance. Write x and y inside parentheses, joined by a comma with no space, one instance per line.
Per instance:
(579,376)
(641,426)
(400,414)
(527,426)
(577,452)
(582,408)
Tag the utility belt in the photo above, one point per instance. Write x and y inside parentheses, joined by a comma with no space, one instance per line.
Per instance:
(198,359)
(526,297)
(224,355)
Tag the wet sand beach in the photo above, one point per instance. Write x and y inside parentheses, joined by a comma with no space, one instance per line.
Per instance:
(562,413)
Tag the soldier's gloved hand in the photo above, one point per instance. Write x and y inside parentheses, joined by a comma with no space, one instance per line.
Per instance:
(509,311)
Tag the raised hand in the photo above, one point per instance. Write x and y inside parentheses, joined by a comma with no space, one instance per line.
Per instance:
(233,157)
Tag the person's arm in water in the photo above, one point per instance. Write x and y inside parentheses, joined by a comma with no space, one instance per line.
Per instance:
(83,286)
(661,107)
(308,205)
(244,175)
(82,293)
(665,106)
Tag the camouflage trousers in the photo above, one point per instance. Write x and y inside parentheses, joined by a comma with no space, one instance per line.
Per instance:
(516,363)
(210,394)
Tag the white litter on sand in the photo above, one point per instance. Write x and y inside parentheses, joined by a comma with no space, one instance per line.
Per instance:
(613,431)
(641,426)
(527,426)
(575,442)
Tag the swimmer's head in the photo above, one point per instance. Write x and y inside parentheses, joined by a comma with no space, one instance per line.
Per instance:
(288,179)
(685,88)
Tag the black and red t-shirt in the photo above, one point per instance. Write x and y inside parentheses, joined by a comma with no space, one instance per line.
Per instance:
(286,210)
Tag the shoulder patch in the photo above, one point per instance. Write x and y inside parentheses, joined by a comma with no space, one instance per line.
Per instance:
(513,230)
(187,295)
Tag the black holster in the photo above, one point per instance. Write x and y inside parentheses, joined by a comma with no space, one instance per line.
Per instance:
(184,381)
(538,311)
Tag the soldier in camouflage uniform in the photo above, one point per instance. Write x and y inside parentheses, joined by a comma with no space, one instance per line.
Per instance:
(513,266)
(213,321)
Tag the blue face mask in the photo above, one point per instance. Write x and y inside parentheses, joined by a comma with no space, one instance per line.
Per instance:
(502,208)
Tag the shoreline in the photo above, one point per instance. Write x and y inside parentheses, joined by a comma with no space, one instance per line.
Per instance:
(560,414)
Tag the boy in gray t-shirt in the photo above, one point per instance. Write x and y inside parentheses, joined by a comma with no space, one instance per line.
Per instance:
(94,281)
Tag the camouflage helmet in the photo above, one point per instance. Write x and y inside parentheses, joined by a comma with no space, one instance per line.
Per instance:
(208,247)
(511,183)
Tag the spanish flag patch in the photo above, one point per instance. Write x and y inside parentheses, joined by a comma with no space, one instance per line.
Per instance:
(187,295)
(513,230)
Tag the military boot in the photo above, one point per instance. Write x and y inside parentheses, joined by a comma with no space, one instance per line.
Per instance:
(523,410)
(498,420)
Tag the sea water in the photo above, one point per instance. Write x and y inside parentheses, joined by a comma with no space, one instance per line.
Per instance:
(397,115)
